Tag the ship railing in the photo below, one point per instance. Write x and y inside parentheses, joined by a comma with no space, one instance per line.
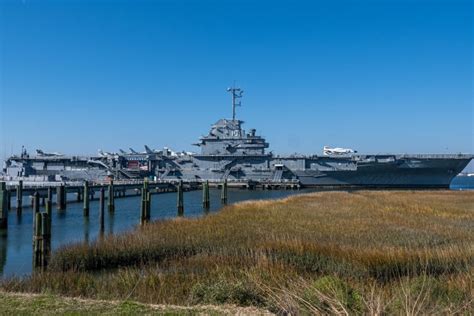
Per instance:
(436,156)
(257,181)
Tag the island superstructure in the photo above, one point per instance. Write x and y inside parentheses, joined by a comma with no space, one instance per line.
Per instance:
(230,153)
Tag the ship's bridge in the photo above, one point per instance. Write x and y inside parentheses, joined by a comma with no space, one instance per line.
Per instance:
(227,129)
(227,137)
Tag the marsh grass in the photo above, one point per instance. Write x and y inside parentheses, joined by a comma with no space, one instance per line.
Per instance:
(334,252)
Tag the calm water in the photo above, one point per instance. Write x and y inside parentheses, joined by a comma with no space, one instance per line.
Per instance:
(70,226)
(462,183)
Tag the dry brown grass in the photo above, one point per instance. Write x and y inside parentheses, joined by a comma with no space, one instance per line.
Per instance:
(335,252)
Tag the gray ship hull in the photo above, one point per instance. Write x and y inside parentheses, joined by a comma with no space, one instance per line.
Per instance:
(407,173)
(369,171)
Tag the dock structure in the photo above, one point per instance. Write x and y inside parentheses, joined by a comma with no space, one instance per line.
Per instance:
(124,188)
(133,187)
(119,189)
(256,185)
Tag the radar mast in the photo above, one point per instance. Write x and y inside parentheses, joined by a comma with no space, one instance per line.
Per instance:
(236,94)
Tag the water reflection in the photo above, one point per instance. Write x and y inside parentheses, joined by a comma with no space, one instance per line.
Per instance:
(3,249)
(111,221)
(61,214)
(19,216)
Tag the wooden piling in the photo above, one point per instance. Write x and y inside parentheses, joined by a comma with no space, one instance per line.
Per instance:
(224,193)
(36,202)
(50,194)
(142,207)
(145,204)
(49,203)
(148,208)
(86,199)
(49,210)
(45,240)
(101,210)
(36,208)
(41,241)
(206,203)
(3,206)
(19,196)
(47,206)
(180,199)
(61,197)
(111,197)
(37,240)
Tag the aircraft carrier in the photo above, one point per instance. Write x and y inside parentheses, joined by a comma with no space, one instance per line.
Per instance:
(229,153)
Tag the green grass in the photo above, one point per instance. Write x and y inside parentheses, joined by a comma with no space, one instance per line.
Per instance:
(14,304)
(330,252)
(28,304)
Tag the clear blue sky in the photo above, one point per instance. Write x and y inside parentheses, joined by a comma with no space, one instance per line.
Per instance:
(377,76)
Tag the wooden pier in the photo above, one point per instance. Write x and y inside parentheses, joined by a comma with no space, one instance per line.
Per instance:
(88,191)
